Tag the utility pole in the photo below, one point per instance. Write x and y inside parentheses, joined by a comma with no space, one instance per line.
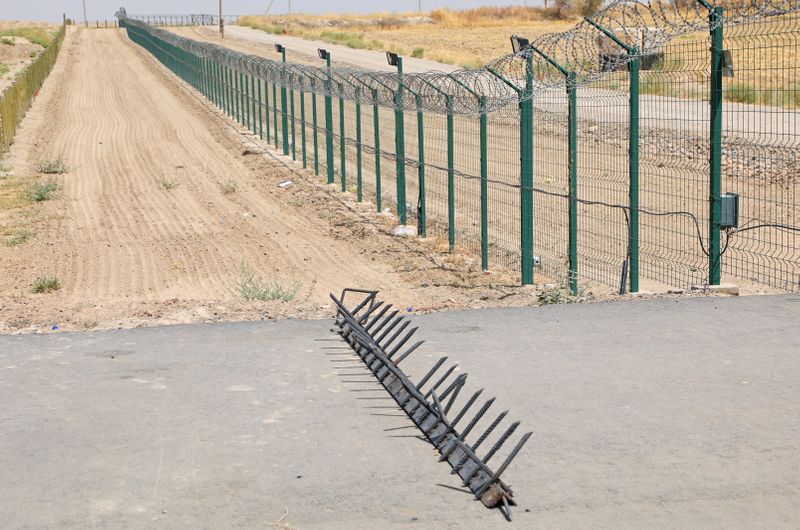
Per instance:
(85,20)
(221,22)
(419,4)
(290,7)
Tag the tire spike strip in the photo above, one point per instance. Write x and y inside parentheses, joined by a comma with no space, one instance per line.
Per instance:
(365,328)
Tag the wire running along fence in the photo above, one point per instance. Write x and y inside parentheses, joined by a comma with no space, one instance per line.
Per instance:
(17,97)
(565,160)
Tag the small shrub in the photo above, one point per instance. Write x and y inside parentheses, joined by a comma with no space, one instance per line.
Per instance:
(46,284)
(557,294)
(4,68)
(55,166)
(418,53)
(252,287)
(167,184)
(43,191)
(8,41)
(228,187)
(19,239)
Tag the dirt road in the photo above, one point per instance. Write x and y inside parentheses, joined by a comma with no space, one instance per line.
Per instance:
(147,227)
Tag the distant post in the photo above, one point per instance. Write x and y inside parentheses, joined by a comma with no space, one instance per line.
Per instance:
(221,22)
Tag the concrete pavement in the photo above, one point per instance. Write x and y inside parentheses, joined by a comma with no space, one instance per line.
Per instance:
(664,413)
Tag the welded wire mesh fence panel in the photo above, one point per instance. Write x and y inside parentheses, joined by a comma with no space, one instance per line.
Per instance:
(761,147)
(674,164)
(504,182)
(551,177)
(467,183)
(603,180)
(436,177)
(564,157)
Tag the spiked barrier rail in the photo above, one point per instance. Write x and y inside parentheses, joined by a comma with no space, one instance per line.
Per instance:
(374,332)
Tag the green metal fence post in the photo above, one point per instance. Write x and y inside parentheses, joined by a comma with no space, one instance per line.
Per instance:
(422,206)
(572,165)
(484,126)
(376,123)
(266,105)
(329,121)
(359,176)
(243,98)
(284,105)
(634,68)
(572,132)
(451,175)
(294,121)
(253,102)
(314,122)
(342,139)
(526,167)
(715,156)
(275,107)
(526,175)
(260,112)
(633,163)
(248,99)
(400,145)
(303,126)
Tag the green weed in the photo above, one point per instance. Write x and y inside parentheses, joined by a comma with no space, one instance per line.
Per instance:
(557,294)
(418,53)
(228,187)
(19,239)
(167,184)
(8,41)
(252,287)
(55,166)
(46,284)
(43,191)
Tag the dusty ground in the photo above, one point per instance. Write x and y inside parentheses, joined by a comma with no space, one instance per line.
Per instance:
(142,230)
(16,51)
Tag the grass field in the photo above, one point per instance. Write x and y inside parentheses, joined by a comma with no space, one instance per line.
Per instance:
(467,38)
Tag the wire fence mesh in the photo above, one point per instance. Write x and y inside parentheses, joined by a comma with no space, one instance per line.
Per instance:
(605,155)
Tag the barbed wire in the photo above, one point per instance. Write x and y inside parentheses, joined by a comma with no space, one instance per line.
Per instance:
(644,27)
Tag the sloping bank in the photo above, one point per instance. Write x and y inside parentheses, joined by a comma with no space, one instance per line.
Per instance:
(16,99)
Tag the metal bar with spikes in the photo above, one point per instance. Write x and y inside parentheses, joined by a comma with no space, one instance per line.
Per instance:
(365,329)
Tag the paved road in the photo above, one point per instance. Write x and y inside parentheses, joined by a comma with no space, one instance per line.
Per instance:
(669,413)
(368,59)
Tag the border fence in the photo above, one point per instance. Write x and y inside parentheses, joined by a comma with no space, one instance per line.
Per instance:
(654,145)
(197,19)
(16,98)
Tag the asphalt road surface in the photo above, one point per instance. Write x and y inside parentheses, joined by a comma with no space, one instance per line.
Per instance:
(665,413)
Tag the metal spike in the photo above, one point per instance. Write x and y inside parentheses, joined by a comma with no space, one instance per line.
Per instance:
(441,380)
(377,317)
(457,383)
(385,321)
(396,334)
(403,341)
(474,421)
(511,456)
(489,430)
(409,352)
(388,330)
(500,442)
(363,318)
(470,402)
(430,373)
(455,395)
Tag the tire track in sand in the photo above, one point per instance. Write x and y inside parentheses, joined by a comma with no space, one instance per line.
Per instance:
(124,123)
